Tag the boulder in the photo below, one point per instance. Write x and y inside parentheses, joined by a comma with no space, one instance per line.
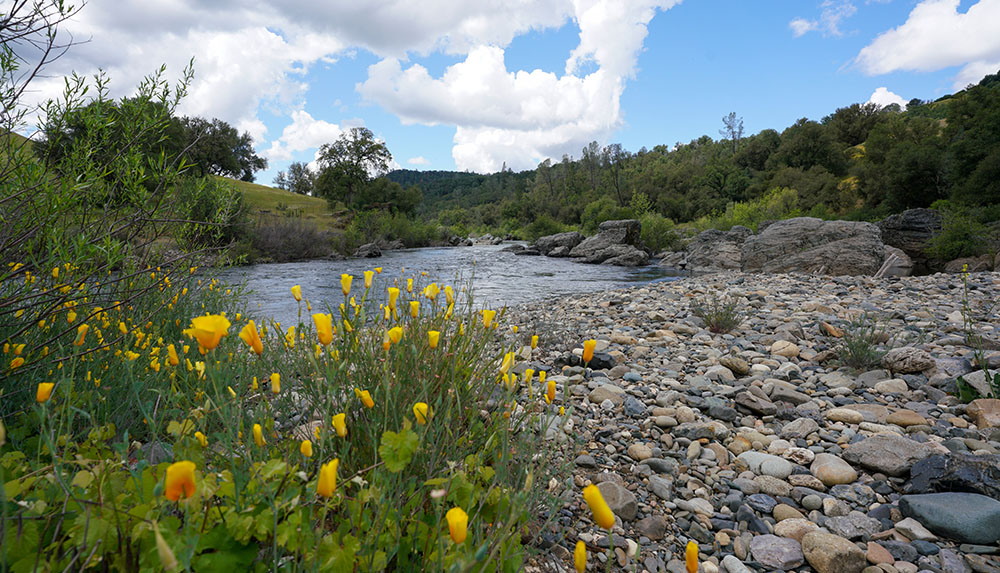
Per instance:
(907,360)
(964,517)
(828,553)
(957,471)
(970,264)
(910,232)
(985,412)
(610,234)
(811,245)
(714,250)
(621,501)
(623,256)
(889,453)
(979,382)
(368,251)
(548,243)
(901,264)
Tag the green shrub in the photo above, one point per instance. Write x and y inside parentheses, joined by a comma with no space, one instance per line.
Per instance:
(603,209)
(214,211)
(658,233)
(961,236)
(861,346)
(721,314)
(542,226)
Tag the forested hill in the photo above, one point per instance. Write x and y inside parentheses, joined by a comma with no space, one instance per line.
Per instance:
(860,161)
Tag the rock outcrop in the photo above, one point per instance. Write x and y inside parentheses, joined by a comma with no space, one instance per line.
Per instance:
(712,251)
(810,245)
(616,242)
(558,245)
(910,232)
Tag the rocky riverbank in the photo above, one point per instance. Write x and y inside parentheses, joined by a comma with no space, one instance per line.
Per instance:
(758,444)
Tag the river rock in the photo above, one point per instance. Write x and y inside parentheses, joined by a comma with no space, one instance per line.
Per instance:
(907,360)
(566,241)
(776,553)
(621,501)
(799,428)
(654,527)
(964,517)
(784,348)
(794,528)
(737,365)
(607,392)
(890,453)
(828,553)
(756,404)
(985,412)
(905,418)
(957,471)
(811,245)
(766,464)
(979,383)
(844,415)
(831,470)
(697,430)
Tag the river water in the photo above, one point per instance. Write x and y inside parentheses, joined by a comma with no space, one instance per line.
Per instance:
(497,278)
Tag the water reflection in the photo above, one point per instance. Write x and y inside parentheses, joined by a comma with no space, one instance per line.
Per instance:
(498,278)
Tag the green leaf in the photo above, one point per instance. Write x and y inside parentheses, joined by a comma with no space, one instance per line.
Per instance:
(397,449)
(83,479)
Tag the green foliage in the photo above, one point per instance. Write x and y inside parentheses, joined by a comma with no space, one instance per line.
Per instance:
(658,233)
(603,209)
(779,203)
(721,314)
(214,211)
(542,226)
(861,346)
(348,166)
(961,236)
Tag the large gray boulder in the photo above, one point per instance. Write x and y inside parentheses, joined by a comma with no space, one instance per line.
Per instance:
(714,250)
(561,243)
(616,242)
(810,245)
(910,232)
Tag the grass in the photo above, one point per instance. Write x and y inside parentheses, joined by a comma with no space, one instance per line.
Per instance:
(264,199)
(721,314)
(860,348)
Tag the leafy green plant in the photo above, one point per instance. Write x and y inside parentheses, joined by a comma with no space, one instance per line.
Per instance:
(861,346)
(960,236)
(966,392)
(721,314)
(658,232)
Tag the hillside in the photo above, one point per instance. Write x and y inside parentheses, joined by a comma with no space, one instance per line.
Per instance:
(268,200)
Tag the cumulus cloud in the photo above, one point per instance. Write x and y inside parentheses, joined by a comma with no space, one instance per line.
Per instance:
(521,117)
(253,56)
(832,14)
(419,160)
(305,132)
(883,97)
(936,36)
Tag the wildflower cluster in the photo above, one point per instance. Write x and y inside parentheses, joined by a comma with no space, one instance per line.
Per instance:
(360,437)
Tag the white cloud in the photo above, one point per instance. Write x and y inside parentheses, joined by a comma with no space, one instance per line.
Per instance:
(419,160)
(801,26)
(253,55)
(936,36)
(883,97)
(833,13)
(521,117)
(302,134)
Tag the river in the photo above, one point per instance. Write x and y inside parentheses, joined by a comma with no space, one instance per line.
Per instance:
(498,278)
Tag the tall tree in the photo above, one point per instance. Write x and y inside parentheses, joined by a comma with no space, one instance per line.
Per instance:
(732,129)
(350,163)
(591,161)
(614,158)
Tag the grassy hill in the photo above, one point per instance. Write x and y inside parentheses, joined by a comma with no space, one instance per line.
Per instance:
(268,200)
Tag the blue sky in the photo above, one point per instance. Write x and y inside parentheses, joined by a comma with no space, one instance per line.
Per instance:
(471,86)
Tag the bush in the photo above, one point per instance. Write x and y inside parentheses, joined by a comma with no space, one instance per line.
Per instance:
(285,239)
(721,314)
(214,210)
(960,236)
(542,226)
(860,347)
(603,209)
(779,203)
(658,233)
